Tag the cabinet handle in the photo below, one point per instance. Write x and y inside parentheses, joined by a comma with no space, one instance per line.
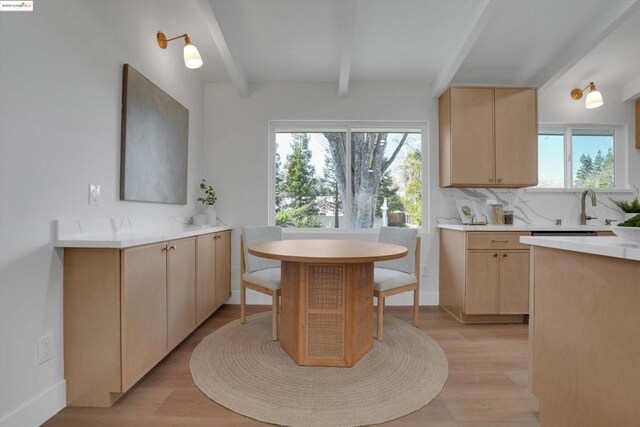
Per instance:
(172,247)
(504,255)
(499,241)
(490,179)
(495,255)
(499,179)
(164,249)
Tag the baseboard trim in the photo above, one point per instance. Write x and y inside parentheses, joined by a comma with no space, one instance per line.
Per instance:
(426,298)
(39,409)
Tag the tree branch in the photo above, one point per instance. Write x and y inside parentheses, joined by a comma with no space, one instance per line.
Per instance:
(385,165)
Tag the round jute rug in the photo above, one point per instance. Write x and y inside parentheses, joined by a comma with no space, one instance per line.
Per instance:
(241,368)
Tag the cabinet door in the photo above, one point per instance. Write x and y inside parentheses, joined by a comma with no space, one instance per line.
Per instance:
(205,277)
(472,142)
(481,290)
(181,289)
(513,282)
(144,310)
(516,137)
(223,267)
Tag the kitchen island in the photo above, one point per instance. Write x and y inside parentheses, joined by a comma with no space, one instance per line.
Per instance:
(583,331)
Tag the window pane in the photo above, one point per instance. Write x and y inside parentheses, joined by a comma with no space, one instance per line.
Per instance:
(387,179)
(310,179)
(593,160)
(551,158)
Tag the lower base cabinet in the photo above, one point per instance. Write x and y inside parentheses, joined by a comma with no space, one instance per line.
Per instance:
(144,310)
(213,285)
(484,276)
(126,309)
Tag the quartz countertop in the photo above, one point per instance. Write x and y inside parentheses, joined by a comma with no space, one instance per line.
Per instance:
(525,227)
(615,247)
(97,234)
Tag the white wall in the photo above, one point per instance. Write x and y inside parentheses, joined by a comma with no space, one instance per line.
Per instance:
(60,98)
(236,155)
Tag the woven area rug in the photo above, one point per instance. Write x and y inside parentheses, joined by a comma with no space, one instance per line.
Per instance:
(241,368)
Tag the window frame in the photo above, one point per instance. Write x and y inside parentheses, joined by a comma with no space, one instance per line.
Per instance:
(310,126)
(621,177)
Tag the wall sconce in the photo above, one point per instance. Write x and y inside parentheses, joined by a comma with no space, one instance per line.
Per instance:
(192,58)
(594,97)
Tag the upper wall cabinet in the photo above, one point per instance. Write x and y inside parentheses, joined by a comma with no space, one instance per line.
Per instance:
(488,137)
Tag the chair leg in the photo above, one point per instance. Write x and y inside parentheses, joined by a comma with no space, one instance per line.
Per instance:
(380,316)
(243,300)
(274,316)
(416,307)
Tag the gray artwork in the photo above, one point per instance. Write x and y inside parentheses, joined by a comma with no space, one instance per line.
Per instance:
(155,143)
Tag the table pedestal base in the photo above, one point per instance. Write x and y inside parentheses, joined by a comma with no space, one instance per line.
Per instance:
(327,312)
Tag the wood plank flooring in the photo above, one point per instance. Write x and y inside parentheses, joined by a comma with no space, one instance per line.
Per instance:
(487,385)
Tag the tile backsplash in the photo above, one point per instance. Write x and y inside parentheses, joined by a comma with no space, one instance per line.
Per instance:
(533,206)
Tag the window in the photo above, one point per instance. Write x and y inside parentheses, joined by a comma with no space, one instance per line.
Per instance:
(372,173)
(580,157)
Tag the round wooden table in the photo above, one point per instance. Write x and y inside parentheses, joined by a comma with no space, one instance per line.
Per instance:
(327,297)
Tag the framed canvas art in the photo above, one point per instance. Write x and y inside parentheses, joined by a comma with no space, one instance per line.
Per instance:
(155,143)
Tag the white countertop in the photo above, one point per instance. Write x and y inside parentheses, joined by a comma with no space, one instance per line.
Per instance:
(605,246)
(129,239)
(525,227)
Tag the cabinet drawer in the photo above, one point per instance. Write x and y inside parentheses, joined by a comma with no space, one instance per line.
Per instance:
(505,240)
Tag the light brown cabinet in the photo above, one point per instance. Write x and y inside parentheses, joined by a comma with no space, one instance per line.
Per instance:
(213,278)
(223,268)
(488,137)
(143,311)
(484,276)
(513,282)
(638,124)
(181,289)
(481,291)
(126,309)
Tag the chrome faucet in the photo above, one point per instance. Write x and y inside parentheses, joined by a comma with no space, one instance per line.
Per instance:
(583,215)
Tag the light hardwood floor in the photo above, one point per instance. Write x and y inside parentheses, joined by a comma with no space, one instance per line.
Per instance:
(487,385)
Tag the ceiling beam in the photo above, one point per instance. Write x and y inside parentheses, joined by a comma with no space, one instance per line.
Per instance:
(233,68)
(631,90)
(479,22)
(348,31)
(582,43)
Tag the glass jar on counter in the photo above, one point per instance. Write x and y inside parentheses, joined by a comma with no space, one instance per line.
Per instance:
(508,217)
(498,214)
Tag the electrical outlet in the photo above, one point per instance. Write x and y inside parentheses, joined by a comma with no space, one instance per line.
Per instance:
(94,194)
(45,348)
(425,272)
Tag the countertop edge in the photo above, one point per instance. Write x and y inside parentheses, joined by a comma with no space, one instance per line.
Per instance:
(515,228)
(613,247)
(128,240)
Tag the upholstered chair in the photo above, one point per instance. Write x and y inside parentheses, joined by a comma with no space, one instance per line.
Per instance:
(260,274)
(398,275)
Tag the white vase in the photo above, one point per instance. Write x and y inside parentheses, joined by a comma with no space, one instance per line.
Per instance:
(212,215)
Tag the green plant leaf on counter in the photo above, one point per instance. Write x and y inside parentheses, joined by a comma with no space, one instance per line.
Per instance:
(632,206)
(632,222)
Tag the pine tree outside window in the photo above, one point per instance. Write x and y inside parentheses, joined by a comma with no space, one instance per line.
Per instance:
(577,157)
(347,175)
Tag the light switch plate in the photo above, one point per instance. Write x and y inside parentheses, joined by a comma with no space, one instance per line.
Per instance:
(94,194)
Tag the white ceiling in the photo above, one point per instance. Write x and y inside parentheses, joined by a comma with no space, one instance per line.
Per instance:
(407,40)
(615,61)
(498,42)
(522,36)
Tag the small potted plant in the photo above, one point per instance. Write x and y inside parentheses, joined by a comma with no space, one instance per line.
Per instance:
(208,200)
(630,208)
